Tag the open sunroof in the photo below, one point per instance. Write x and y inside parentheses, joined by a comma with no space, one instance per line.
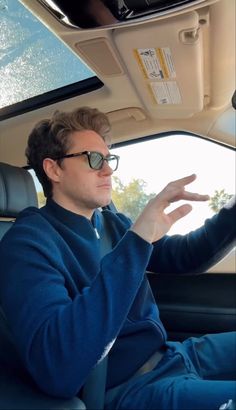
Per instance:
(34,62)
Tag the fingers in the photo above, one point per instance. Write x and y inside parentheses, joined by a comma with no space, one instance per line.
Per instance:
(179,213)
(192,196)
(175,191)
(184,181)
(173,194)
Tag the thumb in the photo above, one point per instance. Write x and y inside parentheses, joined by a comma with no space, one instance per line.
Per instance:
(179,213)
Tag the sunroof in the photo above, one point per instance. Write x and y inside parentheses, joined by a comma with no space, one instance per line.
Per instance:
(32,60)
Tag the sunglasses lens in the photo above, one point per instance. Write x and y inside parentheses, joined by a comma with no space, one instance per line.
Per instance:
(112,162)
(96,160)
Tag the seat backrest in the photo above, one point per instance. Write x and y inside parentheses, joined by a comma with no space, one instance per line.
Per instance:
(17,191)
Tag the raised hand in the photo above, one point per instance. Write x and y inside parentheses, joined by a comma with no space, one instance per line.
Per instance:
(153,222)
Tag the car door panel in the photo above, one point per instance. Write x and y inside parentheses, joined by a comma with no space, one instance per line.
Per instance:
(192,305)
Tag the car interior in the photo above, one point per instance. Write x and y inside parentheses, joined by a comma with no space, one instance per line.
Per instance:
(156,68)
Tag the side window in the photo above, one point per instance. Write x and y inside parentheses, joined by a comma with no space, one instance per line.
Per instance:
(147,167)
(39,189)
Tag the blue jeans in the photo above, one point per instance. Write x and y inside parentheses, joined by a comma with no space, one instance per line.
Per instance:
(198,373)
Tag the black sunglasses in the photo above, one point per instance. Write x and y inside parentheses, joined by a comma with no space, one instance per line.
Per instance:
(96,159)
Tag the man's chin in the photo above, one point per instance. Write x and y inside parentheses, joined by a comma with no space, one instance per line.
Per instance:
(104,202)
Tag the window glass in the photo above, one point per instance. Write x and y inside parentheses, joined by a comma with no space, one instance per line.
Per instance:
(33,60)
(39,189)
(147,167)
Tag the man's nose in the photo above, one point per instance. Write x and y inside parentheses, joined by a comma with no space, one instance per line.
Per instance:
(106,169)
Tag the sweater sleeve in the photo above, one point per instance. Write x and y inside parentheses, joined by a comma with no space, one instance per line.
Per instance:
(198,250)
(61,338)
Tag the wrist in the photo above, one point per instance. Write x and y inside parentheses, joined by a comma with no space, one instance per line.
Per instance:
(142,235)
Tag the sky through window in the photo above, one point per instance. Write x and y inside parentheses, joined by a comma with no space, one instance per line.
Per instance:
(32,60)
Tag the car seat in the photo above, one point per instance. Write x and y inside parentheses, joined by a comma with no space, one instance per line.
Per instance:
(17,390)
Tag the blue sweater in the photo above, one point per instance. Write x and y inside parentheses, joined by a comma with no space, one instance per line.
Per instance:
(67,306)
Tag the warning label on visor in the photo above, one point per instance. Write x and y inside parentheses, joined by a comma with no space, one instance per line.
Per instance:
(156,63)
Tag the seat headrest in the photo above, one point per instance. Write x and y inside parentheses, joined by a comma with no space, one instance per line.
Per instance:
(17,190)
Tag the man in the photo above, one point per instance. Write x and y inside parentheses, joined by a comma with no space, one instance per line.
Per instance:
(68,305)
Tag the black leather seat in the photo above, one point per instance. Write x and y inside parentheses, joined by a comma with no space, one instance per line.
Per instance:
(17,191)
(17,391)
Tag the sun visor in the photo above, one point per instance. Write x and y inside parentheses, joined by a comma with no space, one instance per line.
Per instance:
(165,62)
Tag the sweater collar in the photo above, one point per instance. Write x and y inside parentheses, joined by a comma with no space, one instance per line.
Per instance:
(73,220)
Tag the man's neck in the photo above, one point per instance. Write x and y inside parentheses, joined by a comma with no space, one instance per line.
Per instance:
(75,208)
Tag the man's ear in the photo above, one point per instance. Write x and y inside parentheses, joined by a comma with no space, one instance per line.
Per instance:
(52,169)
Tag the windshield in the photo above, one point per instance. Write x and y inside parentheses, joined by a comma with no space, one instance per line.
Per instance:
(33,61)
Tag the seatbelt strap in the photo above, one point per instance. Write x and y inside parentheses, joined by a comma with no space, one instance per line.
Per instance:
(93,392)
